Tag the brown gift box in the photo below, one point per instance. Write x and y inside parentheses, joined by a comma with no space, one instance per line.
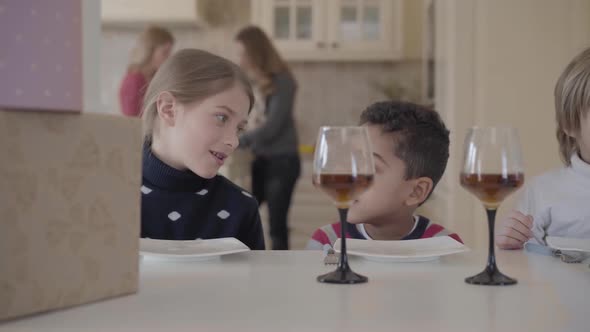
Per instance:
(69,209)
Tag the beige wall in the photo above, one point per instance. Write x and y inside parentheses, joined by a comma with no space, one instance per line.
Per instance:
(497,64)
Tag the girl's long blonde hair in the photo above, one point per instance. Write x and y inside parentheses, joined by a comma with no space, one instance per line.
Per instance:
(263,56)
(147,43)
(572,102)
(191,75)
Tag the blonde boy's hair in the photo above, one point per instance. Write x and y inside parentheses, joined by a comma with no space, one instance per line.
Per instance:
(191,75)
(572,101)
(147,43)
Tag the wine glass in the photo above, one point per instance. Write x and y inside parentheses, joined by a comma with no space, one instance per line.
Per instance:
(492,170)
(343,168)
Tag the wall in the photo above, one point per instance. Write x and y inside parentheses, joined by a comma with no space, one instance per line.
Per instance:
(497,64)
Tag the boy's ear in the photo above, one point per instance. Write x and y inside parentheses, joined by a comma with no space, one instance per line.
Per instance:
(166,105)
(422,188)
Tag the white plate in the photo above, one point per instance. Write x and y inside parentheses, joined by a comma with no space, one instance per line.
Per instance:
(568,244)
(190,250)
(403,251)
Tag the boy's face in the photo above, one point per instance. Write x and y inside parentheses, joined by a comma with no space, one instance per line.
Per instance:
(390,195)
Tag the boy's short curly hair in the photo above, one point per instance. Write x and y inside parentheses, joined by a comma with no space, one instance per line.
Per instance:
(421,137)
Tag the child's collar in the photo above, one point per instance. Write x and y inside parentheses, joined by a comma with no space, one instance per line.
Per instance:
(160,174)
(363,231)
(580,166)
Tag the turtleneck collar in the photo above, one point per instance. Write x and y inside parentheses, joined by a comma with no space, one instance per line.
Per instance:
(169,178)
(579,166)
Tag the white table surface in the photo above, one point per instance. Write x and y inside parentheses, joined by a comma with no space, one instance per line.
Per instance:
(277,291)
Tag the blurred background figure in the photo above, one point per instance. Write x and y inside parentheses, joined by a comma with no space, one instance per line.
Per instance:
(274,143)
(153,47)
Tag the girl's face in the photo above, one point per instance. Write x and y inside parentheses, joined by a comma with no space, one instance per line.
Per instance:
(201,135)
(161,53)
(584,138)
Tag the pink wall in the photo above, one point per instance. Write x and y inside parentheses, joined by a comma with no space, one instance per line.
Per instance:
(41,54)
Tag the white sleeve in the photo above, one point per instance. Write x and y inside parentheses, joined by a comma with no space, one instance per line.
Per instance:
(526,203)
(529,205)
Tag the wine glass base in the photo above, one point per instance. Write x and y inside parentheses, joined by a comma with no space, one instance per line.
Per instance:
(342,277)
(491,279)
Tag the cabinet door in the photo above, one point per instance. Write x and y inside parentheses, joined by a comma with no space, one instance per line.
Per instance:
(365,28)
(142,12)
(295,26)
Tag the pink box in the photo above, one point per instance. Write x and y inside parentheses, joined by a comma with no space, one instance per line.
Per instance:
(41,55)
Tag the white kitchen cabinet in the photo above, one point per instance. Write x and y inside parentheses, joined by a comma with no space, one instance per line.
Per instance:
(141,12)
(346,30)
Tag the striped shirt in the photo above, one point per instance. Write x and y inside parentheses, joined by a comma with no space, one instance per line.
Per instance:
(423,228)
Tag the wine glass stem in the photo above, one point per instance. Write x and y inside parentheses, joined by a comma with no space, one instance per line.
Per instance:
(491,267)
(343,262)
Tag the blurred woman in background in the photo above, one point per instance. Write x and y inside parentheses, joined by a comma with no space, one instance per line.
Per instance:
(152,49)
(274,143)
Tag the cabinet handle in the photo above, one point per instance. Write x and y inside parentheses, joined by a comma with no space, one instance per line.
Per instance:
(335,45)
(321,44)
